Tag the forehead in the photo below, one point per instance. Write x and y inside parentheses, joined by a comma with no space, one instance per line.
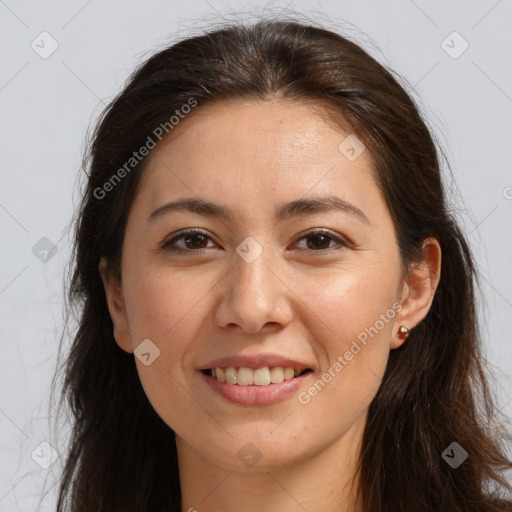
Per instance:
(254,153)
(270,131)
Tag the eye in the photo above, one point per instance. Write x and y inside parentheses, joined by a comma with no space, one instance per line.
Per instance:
(193,240)
(319,240)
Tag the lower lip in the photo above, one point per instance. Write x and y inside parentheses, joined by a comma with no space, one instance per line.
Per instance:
(255,395)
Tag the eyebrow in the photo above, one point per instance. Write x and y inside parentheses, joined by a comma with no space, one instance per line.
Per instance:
(304,206)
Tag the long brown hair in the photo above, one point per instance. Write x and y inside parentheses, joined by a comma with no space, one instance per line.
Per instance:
(434,391)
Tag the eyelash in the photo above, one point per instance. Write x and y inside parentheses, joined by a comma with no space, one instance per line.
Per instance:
(170,244)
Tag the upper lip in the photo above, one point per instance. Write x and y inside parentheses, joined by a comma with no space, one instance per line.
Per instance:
(257,361)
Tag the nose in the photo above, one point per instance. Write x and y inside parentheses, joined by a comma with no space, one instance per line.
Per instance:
(254,298)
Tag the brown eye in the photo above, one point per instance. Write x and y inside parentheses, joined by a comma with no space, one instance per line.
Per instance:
(319,241)
(194,241)
(189,241)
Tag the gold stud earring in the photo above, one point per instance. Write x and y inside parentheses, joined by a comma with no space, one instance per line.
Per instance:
(403,332)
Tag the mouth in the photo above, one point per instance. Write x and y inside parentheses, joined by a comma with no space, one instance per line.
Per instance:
(263,376)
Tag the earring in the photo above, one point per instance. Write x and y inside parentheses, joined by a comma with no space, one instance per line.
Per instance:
(403,332)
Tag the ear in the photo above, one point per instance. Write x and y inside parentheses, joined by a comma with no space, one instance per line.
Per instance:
(419,289)
(116,307)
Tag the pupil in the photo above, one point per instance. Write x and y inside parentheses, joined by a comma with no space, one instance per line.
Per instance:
(316,237)
(194,237)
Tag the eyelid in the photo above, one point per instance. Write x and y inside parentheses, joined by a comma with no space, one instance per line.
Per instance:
(167,243)
(341,240)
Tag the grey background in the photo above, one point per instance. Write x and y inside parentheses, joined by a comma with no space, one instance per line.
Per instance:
(47,104)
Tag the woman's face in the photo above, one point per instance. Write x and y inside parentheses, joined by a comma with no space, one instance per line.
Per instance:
(277,275)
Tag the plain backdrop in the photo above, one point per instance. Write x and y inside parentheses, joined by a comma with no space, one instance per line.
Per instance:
(455,57)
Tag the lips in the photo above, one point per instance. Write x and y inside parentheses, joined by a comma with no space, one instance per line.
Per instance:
(256,394)
(274,377)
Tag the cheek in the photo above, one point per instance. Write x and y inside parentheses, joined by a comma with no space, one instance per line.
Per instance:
(167,308)
(351,316)
(336,306)
(163,305)
(347,302)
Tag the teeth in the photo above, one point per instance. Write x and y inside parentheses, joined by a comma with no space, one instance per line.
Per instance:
(276,375)
(258,377)
(261,376)
(231,375)
(245,377)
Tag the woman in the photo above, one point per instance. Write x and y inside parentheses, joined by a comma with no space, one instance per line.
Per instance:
(277,309)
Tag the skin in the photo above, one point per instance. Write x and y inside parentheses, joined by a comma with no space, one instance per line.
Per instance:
(293,300)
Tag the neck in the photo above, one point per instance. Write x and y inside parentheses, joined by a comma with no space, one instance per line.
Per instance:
(323,480)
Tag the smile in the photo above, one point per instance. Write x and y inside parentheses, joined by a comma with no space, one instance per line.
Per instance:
(243,376)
